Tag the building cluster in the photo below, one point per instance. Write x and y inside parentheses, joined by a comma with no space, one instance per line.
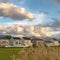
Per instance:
(27,42)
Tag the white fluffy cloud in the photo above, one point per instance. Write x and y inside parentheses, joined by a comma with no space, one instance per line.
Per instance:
(15,23)
(37,30)
(39,19)
(21,1)
(14,12)
(24,30)
(57,1)
(4,1)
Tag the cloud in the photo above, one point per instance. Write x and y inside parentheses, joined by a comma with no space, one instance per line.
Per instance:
(55,1)
(14,12)
(58,1)
(5,1)
(21,1)
(45,12)
(55,23)
(55,19)
(58,11)
(14,23)
(36,30)
(16,30)
(39,19)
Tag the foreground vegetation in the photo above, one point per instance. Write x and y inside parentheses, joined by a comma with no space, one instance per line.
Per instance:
(5,53)
(38,53)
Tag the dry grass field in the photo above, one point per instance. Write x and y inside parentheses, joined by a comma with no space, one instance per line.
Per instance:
(38,53)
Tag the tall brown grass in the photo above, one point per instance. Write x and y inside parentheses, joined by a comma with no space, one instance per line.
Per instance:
(38,53)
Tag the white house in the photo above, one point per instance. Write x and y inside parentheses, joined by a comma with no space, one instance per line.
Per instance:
(16,42)
(52,42)
(27,42)
(4,42)
(48,43)
(37,42)
(55,41)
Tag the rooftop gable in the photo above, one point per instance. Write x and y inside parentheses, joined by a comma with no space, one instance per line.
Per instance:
(16,38)
(54,39)
(26,38)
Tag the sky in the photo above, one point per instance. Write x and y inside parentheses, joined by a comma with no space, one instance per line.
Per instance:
(31,12)
(41,11)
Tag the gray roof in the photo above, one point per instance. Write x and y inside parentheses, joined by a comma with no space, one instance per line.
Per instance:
(16,38)
(1,38)
(48,42)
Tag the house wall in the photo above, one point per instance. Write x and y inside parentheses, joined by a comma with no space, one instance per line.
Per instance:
(33,42)
(49,44)
(39,43)
(56,43)
(11,42)
(4,43)
(17,43)
(27,43)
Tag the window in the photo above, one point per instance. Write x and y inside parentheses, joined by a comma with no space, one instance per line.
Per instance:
(16,42)
(19,43)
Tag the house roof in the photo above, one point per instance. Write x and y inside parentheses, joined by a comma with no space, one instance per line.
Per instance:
(16,38)
(48,42)
(59,41)
(26,38)
(54,39)
(1,38)
(37,39)
(46,38)
(30,38)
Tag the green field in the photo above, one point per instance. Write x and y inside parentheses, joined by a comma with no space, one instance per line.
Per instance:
(5,53)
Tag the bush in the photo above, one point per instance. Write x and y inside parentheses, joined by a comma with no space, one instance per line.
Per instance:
(8,37)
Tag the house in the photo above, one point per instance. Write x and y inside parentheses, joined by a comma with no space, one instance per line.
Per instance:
(48,43)
(52,42)
(37,42)
(27,41)
(16,42)
(20,42)
(4,42)
(55,41)
(59,43)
